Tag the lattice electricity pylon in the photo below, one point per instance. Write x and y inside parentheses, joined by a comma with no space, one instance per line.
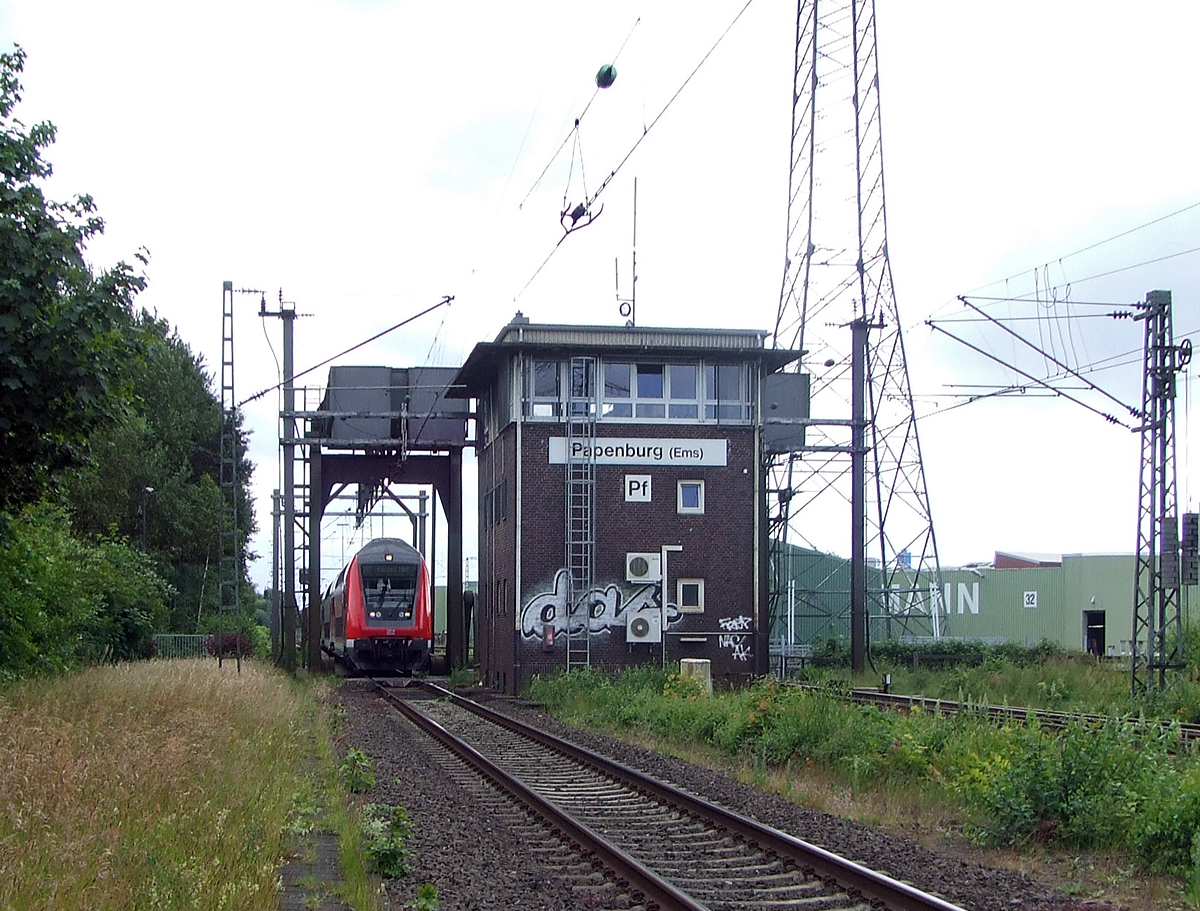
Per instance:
(1157,628)
(838,272)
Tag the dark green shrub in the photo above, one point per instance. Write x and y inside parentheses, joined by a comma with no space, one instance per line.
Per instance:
(387,829)
(65,601)
(1081,787)
(1165,828)
(356,773)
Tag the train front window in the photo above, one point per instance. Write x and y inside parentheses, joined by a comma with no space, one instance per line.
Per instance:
(389,592)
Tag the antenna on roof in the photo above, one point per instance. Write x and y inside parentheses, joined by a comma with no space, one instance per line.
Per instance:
(628,307)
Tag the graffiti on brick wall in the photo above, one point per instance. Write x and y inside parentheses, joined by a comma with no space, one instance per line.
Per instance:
(735,637)
(602,608)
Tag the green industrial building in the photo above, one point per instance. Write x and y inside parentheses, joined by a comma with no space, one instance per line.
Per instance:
(1080,602)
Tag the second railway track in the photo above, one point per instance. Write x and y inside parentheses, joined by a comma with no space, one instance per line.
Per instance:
(673,850)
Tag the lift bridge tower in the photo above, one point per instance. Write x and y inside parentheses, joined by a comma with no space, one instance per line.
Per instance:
(855,485)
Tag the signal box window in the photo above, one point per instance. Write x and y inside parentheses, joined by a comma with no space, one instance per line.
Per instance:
(689,595)
(650,391)
(683,402)
(690,498)
(583,389)
(618,393)
(543,389)
(726,396)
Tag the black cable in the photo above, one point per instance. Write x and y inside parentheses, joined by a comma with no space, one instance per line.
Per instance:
(1024,299)
(1025,319)
(445,301)
(1107,240)
(558,151)
(1108,417)
(1132,411)
(645,132)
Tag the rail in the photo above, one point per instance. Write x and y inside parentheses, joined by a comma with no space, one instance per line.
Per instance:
(854,879)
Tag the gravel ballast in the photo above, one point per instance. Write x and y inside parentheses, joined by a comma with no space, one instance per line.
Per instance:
(479,856)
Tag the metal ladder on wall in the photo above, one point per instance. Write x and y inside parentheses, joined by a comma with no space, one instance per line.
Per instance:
(581,507)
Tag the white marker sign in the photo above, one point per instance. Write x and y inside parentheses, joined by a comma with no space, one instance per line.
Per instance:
(637,488)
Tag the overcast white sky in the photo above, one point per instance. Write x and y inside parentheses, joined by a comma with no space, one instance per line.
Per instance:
(370,157)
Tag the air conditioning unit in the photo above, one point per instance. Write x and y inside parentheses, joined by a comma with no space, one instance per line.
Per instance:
(643,626)
(643,567)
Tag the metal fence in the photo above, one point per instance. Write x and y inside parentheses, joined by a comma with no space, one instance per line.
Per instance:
(173,645)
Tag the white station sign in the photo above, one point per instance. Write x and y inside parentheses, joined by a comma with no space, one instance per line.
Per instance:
(640,451)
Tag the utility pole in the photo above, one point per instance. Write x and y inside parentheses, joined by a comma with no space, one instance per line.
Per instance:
(276,624)
(287,313)
(858,499)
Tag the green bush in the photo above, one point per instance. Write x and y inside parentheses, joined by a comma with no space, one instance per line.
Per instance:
(387,829)
(1082,787)
(1115,785)
(356,773)
(426,900)
(66,602)
(1165,829)
(129,606)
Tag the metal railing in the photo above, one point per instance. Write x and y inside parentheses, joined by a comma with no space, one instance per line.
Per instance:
(178,645)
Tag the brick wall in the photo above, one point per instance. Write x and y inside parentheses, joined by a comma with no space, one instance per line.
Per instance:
(495,639)
(718,547)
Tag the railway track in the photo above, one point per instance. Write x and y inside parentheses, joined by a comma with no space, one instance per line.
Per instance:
(663,847)
(1188,733)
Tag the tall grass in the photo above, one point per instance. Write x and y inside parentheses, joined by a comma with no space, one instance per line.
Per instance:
(162,785)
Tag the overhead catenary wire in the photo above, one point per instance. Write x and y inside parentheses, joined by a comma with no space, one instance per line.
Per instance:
(589,201)
(575,130)
(428,356)
(973,292)
(1101,243)
(1112,419)
(444,302)
(1069,370)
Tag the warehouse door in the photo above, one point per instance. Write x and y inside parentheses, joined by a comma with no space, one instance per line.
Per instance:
(1093,632)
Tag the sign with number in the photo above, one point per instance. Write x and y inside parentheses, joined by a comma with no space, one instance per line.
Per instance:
(1031,599)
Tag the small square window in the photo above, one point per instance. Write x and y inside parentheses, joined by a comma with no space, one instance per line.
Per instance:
(690,497)
(689,595)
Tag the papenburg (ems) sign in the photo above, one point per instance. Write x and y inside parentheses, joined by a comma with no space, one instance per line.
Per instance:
(640,451)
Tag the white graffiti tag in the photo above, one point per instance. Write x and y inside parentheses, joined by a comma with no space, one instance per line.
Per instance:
(603,609)
(734,624)
(739,646)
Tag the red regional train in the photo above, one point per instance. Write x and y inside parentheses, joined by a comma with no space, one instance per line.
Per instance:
(378,615)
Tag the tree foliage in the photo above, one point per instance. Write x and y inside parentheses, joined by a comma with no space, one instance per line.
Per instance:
(65,345)
(65,601)
(110,506)
(157,469)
